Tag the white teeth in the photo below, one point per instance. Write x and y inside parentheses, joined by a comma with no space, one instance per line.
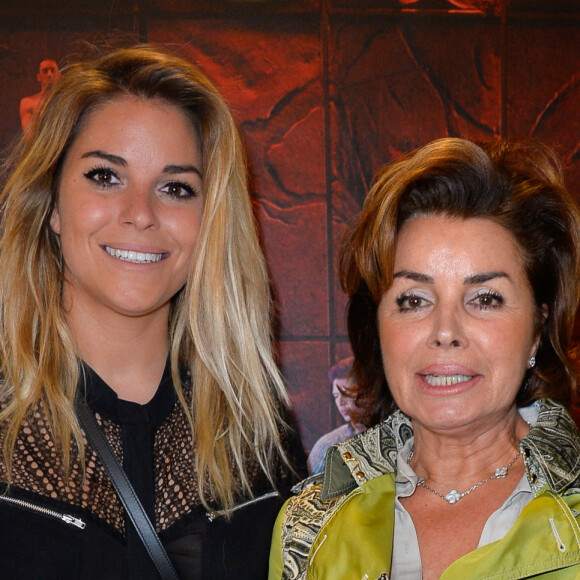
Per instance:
(446,380)
(132,256)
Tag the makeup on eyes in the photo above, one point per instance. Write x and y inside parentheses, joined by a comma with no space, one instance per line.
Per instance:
(105,177)
(484,299)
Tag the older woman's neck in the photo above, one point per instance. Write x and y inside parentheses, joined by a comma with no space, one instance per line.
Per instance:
(453,458)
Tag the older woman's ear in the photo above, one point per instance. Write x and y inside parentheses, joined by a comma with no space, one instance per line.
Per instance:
(545,311)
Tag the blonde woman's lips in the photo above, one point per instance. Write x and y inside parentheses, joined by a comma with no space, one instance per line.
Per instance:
(133,256)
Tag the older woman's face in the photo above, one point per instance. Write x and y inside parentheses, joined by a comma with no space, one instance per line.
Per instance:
(130,203)
(457,325)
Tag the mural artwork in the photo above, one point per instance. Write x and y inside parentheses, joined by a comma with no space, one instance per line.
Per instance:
(325,93)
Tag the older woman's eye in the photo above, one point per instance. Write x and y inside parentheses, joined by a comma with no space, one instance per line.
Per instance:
(487,300)
(408,302)
(103,176)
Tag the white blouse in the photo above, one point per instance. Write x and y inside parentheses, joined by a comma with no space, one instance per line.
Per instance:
(406,557)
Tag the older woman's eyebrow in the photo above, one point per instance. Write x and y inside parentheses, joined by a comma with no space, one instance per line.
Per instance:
(485,277)
(416,276)
(474,279)
(115,159)
(175,169)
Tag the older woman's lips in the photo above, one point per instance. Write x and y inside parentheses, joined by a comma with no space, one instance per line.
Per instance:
(446,380)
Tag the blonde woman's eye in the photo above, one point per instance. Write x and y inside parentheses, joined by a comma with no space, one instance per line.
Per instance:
(103,176)
(179,190)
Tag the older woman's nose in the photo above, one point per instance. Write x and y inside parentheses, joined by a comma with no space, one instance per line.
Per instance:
(139,208)
(448,330)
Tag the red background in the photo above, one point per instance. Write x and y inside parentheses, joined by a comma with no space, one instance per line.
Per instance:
(325,92)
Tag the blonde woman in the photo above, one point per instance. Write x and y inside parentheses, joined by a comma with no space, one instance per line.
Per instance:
(132,284)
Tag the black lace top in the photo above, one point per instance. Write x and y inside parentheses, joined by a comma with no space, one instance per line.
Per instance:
(153,442)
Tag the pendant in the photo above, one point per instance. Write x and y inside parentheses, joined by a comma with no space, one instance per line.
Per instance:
(453,496)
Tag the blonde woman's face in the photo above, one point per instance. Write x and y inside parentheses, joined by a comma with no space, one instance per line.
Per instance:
(130,204)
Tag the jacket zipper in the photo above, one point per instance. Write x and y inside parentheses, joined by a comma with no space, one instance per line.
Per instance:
(211,516)
(68,519)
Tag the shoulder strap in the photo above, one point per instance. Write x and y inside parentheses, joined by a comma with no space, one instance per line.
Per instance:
(126,493)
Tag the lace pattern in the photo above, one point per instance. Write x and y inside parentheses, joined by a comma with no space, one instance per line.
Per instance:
(38,468)
(176,489)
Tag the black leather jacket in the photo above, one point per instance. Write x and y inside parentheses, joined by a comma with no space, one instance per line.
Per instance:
(54,530)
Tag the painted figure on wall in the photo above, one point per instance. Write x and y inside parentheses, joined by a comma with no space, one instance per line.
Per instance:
(344,393)
(47,75)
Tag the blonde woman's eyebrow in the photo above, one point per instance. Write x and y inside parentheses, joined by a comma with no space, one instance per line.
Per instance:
(176,169)
(115,159)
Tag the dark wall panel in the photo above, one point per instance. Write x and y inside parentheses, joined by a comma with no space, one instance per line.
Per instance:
(270,74)
(325,93)
(543,88)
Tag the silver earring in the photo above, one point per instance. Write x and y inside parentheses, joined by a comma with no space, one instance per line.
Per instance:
(532,362)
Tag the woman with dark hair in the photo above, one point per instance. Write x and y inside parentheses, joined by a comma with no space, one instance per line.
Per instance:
(135,336)
(463,278)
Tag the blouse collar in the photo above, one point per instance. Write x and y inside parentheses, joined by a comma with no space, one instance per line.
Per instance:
(102,399)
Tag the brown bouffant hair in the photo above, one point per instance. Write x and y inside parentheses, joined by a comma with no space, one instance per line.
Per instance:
(516,184)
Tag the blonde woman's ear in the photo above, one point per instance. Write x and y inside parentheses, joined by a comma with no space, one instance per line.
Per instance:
(55,221)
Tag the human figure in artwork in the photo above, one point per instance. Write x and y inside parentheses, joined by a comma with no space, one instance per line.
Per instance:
(344,393)
(47,75)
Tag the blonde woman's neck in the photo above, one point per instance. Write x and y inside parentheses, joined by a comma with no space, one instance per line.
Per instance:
(128,353)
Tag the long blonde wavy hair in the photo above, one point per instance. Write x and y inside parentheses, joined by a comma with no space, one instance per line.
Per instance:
(220,322)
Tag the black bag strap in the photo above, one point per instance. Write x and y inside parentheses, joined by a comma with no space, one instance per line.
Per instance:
(126,493)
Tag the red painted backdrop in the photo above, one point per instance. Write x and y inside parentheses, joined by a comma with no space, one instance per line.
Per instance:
(325,92)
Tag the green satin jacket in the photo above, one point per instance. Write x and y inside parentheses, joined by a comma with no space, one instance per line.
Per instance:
(340,526)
